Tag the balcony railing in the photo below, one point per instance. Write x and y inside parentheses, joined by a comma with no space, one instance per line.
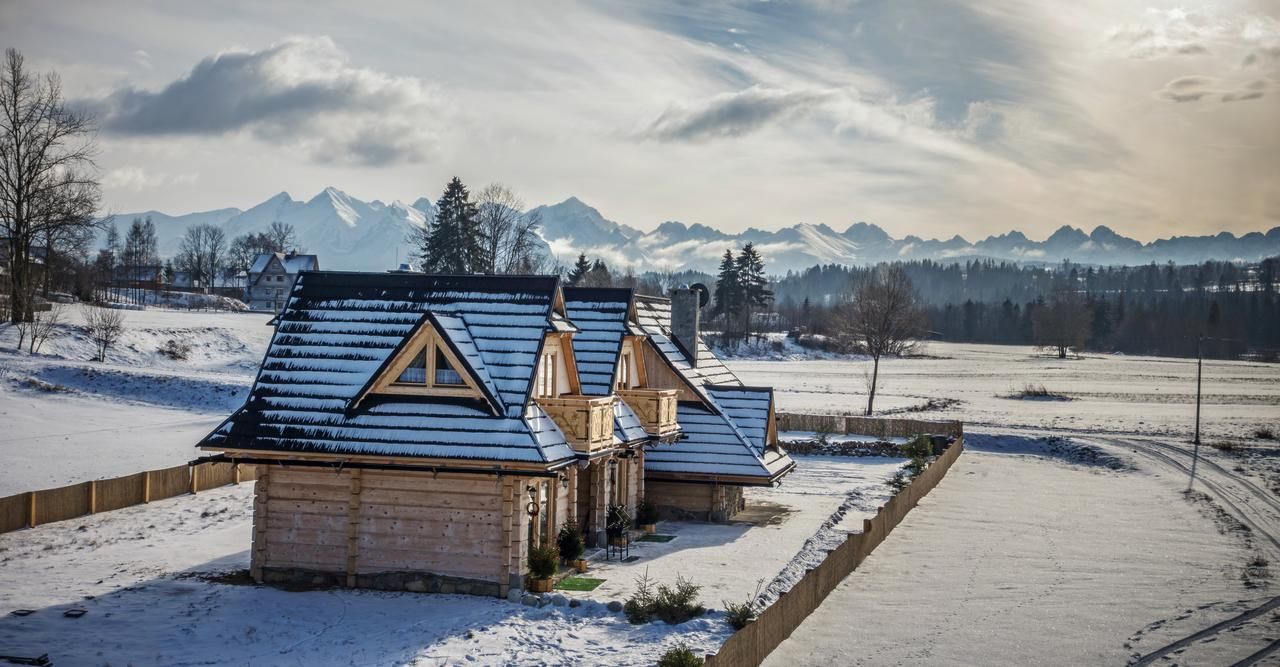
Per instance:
(656,409)
(587,421)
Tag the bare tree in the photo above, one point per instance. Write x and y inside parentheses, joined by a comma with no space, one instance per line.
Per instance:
(509,236)
(884,318)
(1063,324)
(105,326)
(203,253)
(282,236)
(46,171)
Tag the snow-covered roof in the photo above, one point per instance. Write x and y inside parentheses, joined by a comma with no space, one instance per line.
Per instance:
(726,436)
(291,263)
(338,331)
(653,314)
(714,447)
(748,408)
(627,428)
(601,317)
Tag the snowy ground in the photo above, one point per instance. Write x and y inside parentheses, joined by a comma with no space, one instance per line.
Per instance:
(68,419)
(1108,393)
(143,573)
(1005,516)
(1021,559)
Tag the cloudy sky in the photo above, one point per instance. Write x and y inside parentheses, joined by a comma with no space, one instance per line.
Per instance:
(925,117)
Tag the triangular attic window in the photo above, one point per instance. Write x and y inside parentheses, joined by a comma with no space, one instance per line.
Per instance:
(426,365)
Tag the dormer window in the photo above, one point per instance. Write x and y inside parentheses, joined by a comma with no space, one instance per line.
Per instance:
(427,365)
(440,370)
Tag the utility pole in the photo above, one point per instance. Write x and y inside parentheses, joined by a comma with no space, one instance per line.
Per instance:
(1195,450)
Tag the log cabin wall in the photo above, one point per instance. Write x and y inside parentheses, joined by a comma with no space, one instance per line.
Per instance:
(696,502)
(391,530)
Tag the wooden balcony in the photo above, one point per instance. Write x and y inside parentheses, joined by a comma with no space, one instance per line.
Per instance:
(656,409)
(587,421)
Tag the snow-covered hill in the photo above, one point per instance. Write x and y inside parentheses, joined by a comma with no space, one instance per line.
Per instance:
(348,233)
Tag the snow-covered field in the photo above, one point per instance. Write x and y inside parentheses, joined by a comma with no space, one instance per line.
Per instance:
(68,419)
(1081,562)
(1106,393)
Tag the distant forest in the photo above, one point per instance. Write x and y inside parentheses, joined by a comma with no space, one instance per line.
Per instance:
(1153,309)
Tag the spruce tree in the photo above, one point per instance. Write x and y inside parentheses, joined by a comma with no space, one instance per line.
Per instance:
(753,285)
(453,244)
(580,269)
(728,291)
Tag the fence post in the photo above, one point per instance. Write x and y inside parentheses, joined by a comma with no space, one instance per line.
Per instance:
(146,487)
(31,509)
(191,471)
(236,472)
(93,496)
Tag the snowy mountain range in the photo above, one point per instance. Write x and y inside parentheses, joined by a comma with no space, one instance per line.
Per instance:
(351,234)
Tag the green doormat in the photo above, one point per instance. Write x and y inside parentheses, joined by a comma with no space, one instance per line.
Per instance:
(578,584)
(657,538)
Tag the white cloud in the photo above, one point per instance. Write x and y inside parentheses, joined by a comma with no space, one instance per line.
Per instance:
(301,93)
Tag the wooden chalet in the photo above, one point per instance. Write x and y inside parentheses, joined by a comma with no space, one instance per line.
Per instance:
(421,432)
(729,436)
(722,436)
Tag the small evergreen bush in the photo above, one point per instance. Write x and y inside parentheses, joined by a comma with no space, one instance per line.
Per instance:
(646,513)
(679,655)
(639,607)
(570,542)
(739,614)
(678,603)
(544,562)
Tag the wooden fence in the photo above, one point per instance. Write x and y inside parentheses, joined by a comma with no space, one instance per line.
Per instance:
(751,644)
(874,426)
(28,510)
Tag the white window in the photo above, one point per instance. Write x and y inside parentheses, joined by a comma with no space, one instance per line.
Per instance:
(546,383)
(442,372)
(624,371)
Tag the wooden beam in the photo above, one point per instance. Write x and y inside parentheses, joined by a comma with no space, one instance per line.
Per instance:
(353,527)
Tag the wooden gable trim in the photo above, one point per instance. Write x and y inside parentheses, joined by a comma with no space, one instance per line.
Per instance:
(425,337)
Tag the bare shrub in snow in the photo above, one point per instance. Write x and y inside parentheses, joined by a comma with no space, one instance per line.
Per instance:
(175,349)
(105,326)
(680,655)
(44,325)
(1264,433)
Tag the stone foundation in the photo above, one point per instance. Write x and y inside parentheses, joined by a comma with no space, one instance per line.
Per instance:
(414,582)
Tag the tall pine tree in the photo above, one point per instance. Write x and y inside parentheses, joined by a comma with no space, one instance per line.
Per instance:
(728,292)
(753,285)
(580,269)
(453,244)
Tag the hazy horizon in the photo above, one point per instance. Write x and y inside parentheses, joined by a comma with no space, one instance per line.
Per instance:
(1155,119)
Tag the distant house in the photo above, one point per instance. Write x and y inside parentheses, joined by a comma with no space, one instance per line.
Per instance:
(271,278)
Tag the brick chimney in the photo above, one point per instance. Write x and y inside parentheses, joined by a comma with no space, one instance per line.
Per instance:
(686,321)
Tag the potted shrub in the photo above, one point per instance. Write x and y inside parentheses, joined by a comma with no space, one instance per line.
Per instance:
(572,546)
(647,517)
(618,526)
(543,564)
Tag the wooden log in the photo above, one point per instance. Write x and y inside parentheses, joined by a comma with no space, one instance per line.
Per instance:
(353,528)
